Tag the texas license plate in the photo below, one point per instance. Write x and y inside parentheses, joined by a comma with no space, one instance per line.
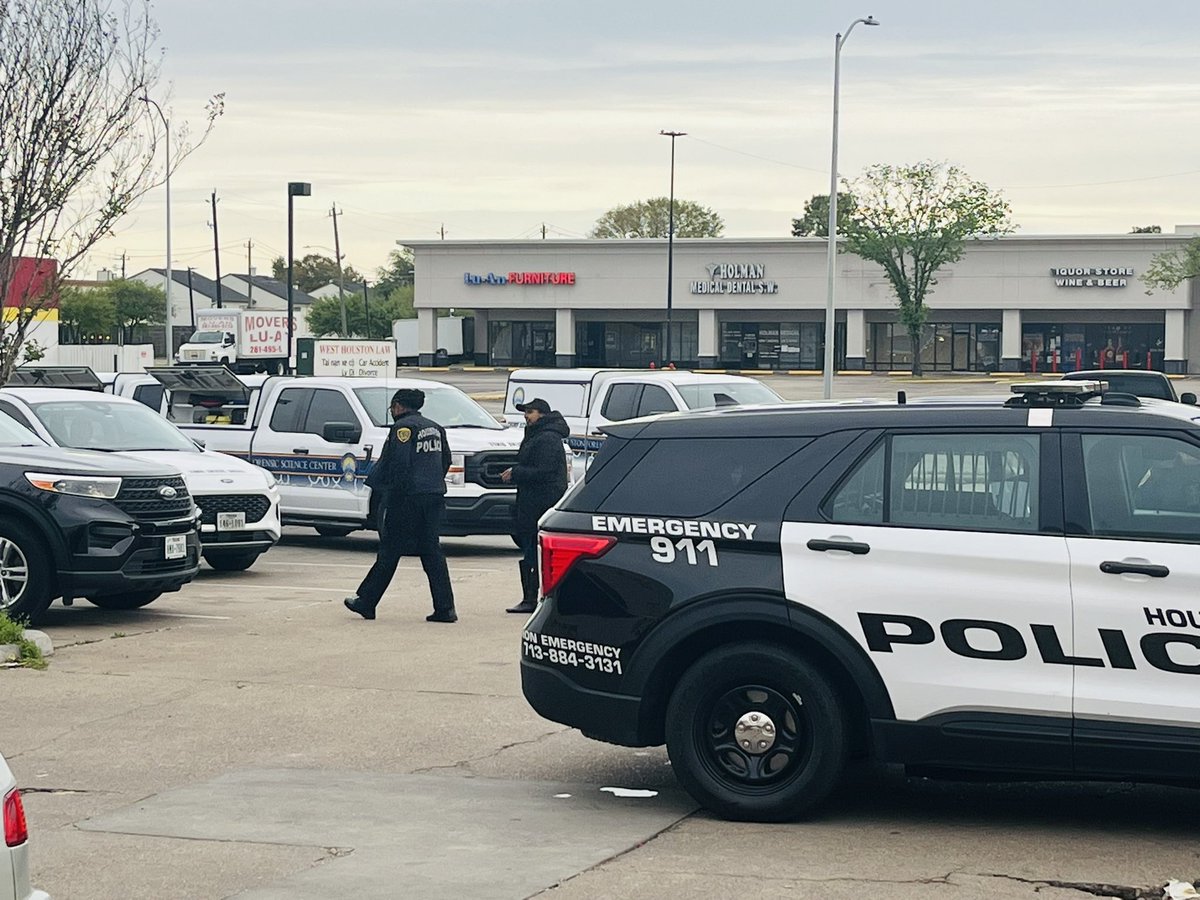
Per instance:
(176,546)
(233,521)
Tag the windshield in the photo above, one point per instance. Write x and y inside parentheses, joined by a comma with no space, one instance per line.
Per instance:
(109,426)
(447,406)
(726,393)
(13,434)
(208,337)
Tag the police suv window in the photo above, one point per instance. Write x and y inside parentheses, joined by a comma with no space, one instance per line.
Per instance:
(693,477)
(655,400)
(288,414)
(621,402)
(328,406)
(1142,486)
(10,410)
(983,482)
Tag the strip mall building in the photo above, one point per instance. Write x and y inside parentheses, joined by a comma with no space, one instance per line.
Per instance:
(1012,303)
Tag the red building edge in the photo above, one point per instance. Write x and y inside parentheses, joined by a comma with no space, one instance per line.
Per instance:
(33,283)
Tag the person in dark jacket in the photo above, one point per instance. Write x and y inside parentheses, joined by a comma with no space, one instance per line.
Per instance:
(541,479)
(412,472)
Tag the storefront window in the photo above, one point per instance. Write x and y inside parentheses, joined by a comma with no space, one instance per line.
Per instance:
(521,343)
(945,347)
(1070,347)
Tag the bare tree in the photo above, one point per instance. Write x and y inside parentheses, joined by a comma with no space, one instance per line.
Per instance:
(78,142)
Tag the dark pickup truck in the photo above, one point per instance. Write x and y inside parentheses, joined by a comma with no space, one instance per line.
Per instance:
(116,531)
(1139,382)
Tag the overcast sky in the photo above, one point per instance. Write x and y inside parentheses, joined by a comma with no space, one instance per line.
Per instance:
(492,117)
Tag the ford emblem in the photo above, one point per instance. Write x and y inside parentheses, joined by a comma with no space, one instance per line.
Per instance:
(167,492)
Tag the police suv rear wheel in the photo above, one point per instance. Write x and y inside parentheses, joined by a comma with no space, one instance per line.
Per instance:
(755,733)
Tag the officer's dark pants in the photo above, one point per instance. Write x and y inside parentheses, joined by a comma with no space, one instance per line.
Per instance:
(411,527)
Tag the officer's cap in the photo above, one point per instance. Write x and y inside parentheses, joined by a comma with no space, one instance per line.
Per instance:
(536,403)
(410,398)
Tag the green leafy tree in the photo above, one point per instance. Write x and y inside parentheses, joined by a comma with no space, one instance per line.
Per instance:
(397,273)
(325,314)
(136,305)
(912,220)
(1146,229)
(313,271)
(79,146)
(1171,268)
(86,317)
(651,218)
(815,221)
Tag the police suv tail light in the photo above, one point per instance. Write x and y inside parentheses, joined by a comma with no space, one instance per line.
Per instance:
(457,473)
(561,551)
(16,832)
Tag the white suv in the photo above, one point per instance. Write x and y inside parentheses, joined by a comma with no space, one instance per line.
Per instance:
(14,859)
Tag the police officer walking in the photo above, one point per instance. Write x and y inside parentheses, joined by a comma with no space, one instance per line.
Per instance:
(541,479)
(412,473)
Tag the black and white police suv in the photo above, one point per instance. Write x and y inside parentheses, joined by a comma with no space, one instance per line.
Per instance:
(960,586)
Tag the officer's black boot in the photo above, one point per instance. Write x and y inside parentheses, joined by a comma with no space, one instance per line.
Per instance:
(529,591)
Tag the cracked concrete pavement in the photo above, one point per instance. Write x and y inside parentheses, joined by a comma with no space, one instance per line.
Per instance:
(264,671)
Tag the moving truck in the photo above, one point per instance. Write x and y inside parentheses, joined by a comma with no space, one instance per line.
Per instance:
(243,340)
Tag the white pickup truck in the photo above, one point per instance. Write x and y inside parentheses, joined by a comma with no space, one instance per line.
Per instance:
(592,398)
(239,503)
(320,436)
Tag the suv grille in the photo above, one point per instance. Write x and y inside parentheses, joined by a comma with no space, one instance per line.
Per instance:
(485,468)
(140,498)
(255,506)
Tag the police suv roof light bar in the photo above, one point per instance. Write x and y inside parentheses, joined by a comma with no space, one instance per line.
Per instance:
(1066,393)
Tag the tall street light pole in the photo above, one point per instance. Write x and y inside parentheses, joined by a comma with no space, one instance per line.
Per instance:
(295,189)
(169,321)
(839,40)
(671,240)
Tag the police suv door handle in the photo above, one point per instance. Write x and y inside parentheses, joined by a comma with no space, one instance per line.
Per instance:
(1108,567)
(303,451)
(858,549)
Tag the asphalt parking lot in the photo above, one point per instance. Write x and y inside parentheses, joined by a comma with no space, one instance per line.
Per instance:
(248,737)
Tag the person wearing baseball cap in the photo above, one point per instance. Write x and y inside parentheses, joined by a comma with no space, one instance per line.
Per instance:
(541,479)
(412,473)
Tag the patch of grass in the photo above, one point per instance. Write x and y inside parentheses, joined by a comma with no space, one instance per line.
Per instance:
(29,654)
(119,634)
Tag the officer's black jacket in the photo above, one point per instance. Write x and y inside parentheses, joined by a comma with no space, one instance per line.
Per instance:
(541,470)
(415,458)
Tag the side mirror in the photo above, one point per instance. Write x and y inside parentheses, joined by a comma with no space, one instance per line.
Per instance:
(229,341)
(198,443)
(341,432)
(1188,397)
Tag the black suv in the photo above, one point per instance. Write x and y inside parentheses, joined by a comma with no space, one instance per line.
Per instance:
(73,523)
(960,586)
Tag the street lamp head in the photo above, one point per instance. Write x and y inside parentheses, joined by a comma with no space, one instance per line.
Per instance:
(870,20)
(299,189)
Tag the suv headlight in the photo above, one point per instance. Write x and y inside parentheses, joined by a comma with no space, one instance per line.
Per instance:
(458,469)
(75,485)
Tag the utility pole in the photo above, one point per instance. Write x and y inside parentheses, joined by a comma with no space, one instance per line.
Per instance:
(443,230)
(191,298)
(249,272)
(367,308)
(543,231)
(337,251)
(216,246)
(123,255)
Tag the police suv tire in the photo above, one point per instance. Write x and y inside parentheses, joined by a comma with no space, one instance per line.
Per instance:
(20,549)
(127,600)
(231,562)
(333,531)
(805,743)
